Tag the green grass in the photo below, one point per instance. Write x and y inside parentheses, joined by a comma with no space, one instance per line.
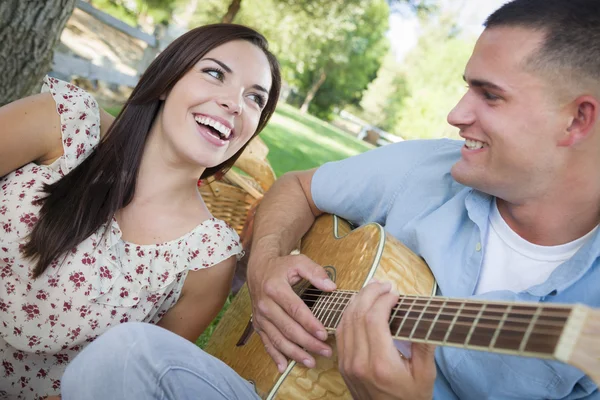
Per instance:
(296,142)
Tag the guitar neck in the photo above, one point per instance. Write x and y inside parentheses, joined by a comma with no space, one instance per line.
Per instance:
(511,328)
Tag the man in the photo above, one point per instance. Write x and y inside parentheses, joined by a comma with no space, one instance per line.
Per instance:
(510,213)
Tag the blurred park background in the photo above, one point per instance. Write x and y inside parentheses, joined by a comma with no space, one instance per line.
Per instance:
(357,73)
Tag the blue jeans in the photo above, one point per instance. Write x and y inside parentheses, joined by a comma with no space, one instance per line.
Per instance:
(143,361)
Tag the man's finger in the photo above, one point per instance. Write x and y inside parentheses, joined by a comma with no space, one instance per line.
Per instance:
(312,272)
(282,294)
(285,346)
(272,351)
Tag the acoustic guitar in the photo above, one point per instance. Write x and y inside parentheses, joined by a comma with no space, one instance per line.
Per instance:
(568,333)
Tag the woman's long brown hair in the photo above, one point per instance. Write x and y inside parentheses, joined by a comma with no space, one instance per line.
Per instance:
(77,205)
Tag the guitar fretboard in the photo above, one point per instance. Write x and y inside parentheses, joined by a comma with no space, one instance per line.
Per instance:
(492,326)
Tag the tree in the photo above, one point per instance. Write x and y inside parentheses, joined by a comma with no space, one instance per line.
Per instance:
(313,7)
(433,72)
(29,30)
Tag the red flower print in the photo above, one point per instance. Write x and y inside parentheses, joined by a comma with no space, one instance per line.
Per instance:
(164,276)
(17,332)
(53,319)
(33,341)
(67,306)
(10,288)
(29,184)
(42,295)
(42,373)
(80,150)
(105,273)
(139,270)
(29,219)
(19,355)
(8,368)
(74,333)
(124,293)
(55,384)
(3,210)
(87,259)
(7,227)
(69,142)
(53,282)
(62,109)
(31,310)
(83,116)
(124,319)
(78,279)
(61,358)
(23,381)
(128,278)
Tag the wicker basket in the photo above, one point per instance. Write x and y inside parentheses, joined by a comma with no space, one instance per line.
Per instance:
(234,197)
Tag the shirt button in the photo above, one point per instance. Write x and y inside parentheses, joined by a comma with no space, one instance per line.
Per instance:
(478,247)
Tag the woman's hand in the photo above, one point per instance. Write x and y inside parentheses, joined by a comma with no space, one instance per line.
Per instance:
(369,362)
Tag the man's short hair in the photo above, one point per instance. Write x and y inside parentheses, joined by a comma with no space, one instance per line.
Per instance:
(572,35)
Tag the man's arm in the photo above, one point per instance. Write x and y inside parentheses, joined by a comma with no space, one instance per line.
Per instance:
(283,321)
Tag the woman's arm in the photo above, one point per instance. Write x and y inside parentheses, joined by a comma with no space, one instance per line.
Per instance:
(203,295)
(30,131)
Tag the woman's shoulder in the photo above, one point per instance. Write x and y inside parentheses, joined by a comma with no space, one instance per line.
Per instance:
(80,121)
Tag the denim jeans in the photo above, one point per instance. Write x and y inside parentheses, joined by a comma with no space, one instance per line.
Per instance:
(143,361)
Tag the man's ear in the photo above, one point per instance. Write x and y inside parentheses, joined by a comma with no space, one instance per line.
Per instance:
(583,120)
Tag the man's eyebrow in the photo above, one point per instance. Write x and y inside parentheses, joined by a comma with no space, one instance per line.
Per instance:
(480,83)
(228,70)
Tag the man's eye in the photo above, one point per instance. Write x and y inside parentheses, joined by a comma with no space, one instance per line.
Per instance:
(489,96)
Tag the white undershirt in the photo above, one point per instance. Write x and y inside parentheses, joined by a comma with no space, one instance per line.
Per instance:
(512,263)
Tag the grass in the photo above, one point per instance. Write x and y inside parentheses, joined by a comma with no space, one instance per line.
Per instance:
(296,142)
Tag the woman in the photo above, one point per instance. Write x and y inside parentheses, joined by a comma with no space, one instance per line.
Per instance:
(102,224)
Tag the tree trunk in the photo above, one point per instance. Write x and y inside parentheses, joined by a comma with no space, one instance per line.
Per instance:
(313,91)
(29,31)
(234,8)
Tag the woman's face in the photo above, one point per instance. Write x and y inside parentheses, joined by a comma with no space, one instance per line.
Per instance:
(214,109)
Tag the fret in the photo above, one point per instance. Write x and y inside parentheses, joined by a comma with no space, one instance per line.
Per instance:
(451,327)
(396,309)
(319,306)
(485,327)
(406,316)
(548,330)
(499,327)
(346,297)
(514,327)
(444,321)
(335,297)
(435,319)
(424,320)
(529,329)
(474,324)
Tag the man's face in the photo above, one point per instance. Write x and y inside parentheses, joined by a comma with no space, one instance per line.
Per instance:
(509,119)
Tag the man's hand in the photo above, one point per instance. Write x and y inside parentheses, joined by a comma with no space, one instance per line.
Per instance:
(285,324)
(369,362)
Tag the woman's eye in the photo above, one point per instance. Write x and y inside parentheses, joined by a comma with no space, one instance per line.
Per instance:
(258,99)
(215,73)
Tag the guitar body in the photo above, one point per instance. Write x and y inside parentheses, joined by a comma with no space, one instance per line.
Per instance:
(351,258)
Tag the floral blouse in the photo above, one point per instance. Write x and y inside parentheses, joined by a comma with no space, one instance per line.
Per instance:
(102,282)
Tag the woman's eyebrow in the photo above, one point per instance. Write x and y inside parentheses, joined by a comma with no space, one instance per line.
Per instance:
(229,70)
(223,65)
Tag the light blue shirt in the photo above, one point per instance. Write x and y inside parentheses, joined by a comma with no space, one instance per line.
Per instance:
(407,188)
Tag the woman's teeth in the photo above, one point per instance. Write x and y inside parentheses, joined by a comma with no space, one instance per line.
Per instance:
(224,131)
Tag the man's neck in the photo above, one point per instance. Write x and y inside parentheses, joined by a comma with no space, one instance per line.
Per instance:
(553,221)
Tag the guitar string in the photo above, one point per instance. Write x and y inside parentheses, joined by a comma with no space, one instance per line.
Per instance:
(432,313)
(549,311)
